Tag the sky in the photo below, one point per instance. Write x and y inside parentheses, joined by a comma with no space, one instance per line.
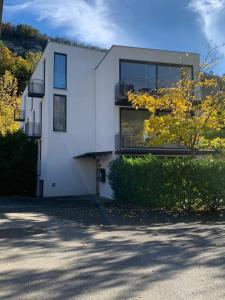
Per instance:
(180,25)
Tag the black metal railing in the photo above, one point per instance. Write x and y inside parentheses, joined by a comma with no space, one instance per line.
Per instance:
(138,86)
(127,141)
(33,130)
(19,115)
(139,141)
(36,88)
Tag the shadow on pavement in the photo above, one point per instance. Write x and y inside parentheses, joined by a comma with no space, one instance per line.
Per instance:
(89,256)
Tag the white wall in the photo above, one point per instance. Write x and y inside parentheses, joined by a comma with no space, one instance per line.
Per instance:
(92,116)
(63,175)
(107,75)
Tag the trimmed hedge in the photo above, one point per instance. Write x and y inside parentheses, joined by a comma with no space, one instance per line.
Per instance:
(18,162)
(170,183)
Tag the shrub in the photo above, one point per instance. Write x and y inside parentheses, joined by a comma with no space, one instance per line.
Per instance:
(171,183)
(18,160)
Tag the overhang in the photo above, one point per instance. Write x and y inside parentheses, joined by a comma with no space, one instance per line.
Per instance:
(92,154)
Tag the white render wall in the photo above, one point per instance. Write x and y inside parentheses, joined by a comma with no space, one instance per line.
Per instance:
(92,116)
(107,75)
(62,174)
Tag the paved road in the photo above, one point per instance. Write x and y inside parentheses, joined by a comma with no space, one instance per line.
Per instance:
(68,253)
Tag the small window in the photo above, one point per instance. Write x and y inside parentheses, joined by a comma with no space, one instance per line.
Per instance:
(59,113)
(60,70)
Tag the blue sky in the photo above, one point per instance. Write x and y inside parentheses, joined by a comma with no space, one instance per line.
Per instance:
(185,25)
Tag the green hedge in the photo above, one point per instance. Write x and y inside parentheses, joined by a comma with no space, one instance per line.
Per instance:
(18,161)
(171,183)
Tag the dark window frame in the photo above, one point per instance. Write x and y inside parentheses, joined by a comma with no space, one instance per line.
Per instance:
(65,97)
(54,86)
(156,64)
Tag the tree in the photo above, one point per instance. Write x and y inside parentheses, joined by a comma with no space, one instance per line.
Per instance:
(20,67)
(184,114)
(8,102)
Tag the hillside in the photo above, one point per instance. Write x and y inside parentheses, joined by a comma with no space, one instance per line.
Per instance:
(23,38)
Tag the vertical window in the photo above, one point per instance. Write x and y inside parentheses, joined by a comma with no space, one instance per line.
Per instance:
(44,63)
(59,113)
(60,70)
(32,104)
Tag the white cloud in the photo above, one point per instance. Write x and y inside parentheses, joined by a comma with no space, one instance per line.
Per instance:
(212,17)
(87,21)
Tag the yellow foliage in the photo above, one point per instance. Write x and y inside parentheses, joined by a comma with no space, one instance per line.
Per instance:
(185,114)
(8,102)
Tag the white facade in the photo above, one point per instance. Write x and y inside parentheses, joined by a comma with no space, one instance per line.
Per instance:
(92,118)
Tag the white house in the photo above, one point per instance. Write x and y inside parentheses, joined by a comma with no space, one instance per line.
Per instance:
(76,107)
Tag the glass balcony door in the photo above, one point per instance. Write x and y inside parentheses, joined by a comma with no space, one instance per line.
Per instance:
(132,128)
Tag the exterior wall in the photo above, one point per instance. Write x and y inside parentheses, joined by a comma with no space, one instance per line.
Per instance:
(104,187)
(92,117)
(61,173)
(107,75)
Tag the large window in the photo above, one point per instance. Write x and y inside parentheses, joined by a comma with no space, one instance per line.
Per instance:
(132,127)
(145,77)
(60,70)
(169,75)
(59,113)
(138,76)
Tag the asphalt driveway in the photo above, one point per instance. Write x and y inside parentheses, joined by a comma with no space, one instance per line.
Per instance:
(77,250)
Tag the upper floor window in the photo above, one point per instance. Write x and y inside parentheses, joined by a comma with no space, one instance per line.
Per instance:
(168,75)
(145,77)
(59,113)
(60,71)
(139,77)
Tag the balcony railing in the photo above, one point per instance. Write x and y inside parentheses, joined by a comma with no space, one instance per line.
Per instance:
(19,115)
(138,144)
(138,86)
(33,130)
(36,88)
(128,141)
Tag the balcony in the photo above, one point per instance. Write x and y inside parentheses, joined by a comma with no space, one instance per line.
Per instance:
(132,144)
(33,130)
(138,86)
(130,141)
(19,115)
(36,88)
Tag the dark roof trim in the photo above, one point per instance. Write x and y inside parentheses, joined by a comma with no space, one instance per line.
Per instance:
(162,151)
(92,154)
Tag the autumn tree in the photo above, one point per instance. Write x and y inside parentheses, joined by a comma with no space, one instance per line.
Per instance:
(185,114)
(9,100)
(20,67)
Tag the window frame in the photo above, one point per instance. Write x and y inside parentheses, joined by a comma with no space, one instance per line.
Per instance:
(54,86)
(65,97)
(157,64)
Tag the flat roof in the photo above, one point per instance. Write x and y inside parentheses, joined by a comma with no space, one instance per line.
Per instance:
(143,48)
